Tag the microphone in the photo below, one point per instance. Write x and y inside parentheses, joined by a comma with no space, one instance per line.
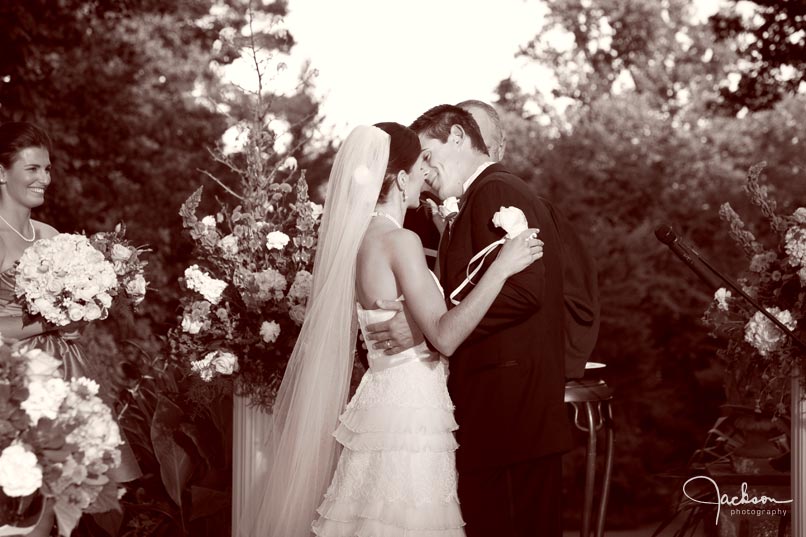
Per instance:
(713,277)
(667,236)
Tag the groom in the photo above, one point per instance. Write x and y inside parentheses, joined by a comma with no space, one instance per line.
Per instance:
(507,379)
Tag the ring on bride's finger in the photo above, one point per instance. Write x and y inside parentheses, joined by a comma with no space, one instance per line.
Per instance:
(388,343)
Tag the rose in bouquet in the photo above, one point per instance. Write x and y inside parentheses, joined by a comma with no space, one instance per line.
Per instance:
(244,299)
(759,358)
(57,438)
(126,261)
(65,279)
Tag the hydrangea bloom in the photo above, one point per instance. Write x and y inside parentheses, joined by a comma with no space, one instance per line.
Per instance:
(762,334)
(276,240)
(269,331)
(301,288)
(210,288)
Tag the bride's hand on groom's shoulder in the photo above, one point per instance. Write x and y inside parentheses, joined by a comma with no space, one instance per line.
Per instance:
(396,334)
(520,252)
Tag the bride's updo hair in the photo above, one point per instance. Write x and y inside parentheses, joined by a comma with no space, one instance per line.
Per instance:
(404,148)
(15,137)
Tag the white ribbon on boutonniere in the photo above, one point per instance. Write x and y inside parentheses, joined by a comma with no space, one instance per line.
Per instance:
(510,219)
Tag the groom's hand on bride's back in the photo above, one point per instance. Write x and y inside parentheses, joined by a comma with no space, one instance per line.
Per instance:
(398,333)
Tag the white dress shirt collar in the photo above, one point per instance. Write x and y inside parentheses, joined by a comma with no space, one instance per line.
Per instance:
(475,175)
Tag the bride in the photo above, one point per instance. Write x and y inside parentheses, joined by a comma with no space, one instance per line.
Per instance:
(396,473)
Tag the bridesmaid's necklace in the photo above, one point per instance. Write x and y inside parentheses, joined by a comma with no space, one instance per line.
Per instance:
(380,213)
(20,235)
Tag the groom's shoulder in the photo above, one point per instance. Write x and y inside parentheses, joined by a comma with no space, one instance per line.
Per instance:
(500,178)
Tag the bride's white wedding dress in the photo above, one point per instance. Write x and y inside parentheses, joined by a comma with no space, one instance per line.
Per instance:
(396,476)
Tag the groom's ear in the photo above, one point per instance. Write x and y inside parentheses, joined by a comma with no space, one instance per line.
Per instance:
(457,135)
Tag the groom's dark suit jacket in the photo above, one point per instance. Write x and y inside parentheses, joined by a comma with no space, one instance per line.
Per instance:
(507,379)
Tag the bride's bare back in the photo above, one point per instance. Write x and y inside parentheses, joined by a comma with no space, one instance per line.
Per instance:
(375,279)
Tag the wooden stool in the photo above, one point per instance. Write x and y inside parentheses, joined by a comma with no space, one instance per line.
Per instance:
(592,412)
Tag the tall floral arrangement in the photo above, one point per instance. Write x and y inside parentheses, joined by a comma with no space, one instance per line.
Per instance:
(759,357)
(245,297)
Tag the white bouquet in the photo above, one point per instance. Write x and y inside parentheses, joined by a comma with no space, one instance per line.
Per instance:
(64,279)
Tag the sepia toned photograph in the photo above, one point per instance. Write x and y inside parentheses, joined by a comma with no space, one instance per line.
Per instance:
(422,268)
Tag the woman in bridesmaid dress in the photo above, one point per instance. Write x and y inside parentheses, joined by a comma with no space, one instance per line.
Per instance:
(24,178)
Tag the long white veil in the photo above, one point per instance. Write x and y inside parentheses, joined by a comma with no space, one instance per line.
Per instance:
(300,450)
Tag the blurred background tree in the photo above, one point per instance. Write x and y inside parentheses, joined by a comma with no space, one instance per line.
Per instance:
(135,97)
(768,37)
(641,131)
(132,96)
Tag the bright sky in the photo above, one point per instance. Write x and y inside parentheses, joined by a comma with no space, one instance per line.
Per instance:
(390,60)
(382,60)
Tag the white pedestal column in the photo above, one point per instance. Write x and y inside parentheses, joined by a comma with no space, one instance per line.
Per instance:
(798,460)
(249,430)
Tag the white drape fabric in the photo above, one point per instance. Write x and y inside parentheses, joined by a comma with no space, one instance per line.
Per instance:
(299,453)
(250,429)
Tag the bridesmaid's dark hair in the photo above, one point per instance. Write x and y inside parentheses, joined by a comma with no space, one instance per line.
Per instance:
(17,136)
(404,148)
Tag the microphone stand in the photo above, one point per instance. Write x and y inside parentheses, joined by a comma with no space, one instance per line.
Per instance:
(733,285)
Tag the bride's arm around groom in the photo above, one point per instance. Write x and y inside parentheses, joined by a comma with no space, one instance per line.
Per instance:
(507,379)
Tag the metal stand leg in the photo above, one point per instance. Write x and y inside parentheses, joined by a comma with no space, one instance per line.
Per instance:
(607,413)
(595,396)
(590,472)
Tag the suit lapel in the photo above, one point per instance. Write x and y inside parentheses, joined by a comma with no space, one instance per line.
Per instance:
(442,252)
(445,240)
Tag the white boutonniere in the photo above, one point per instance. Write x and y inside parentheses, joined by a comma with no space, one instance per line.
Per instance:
(449,207)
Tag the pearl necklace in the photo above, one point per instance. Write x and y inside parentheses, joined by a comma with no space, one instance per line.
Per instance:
(20,235)
(387,215)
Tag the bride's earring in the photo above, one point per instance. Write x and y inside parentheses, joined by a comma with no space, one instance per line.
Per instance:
(401,184)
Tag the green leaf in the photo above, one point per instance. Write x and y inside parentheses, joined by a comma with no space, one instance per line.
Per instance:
(67,516)
(188,209)
(109,521)
(175,463)
(207,448)
(107,499)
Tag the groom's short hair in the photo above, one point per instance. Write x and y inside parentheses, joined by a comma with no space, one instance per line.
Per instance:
(437,122)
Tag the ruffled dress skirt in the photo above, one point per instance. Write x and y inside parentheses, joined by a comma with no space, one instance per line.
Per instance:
(396,476)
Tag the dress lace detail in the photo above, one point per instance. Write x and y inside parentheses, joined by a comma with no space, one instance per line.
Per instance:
(396,476)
